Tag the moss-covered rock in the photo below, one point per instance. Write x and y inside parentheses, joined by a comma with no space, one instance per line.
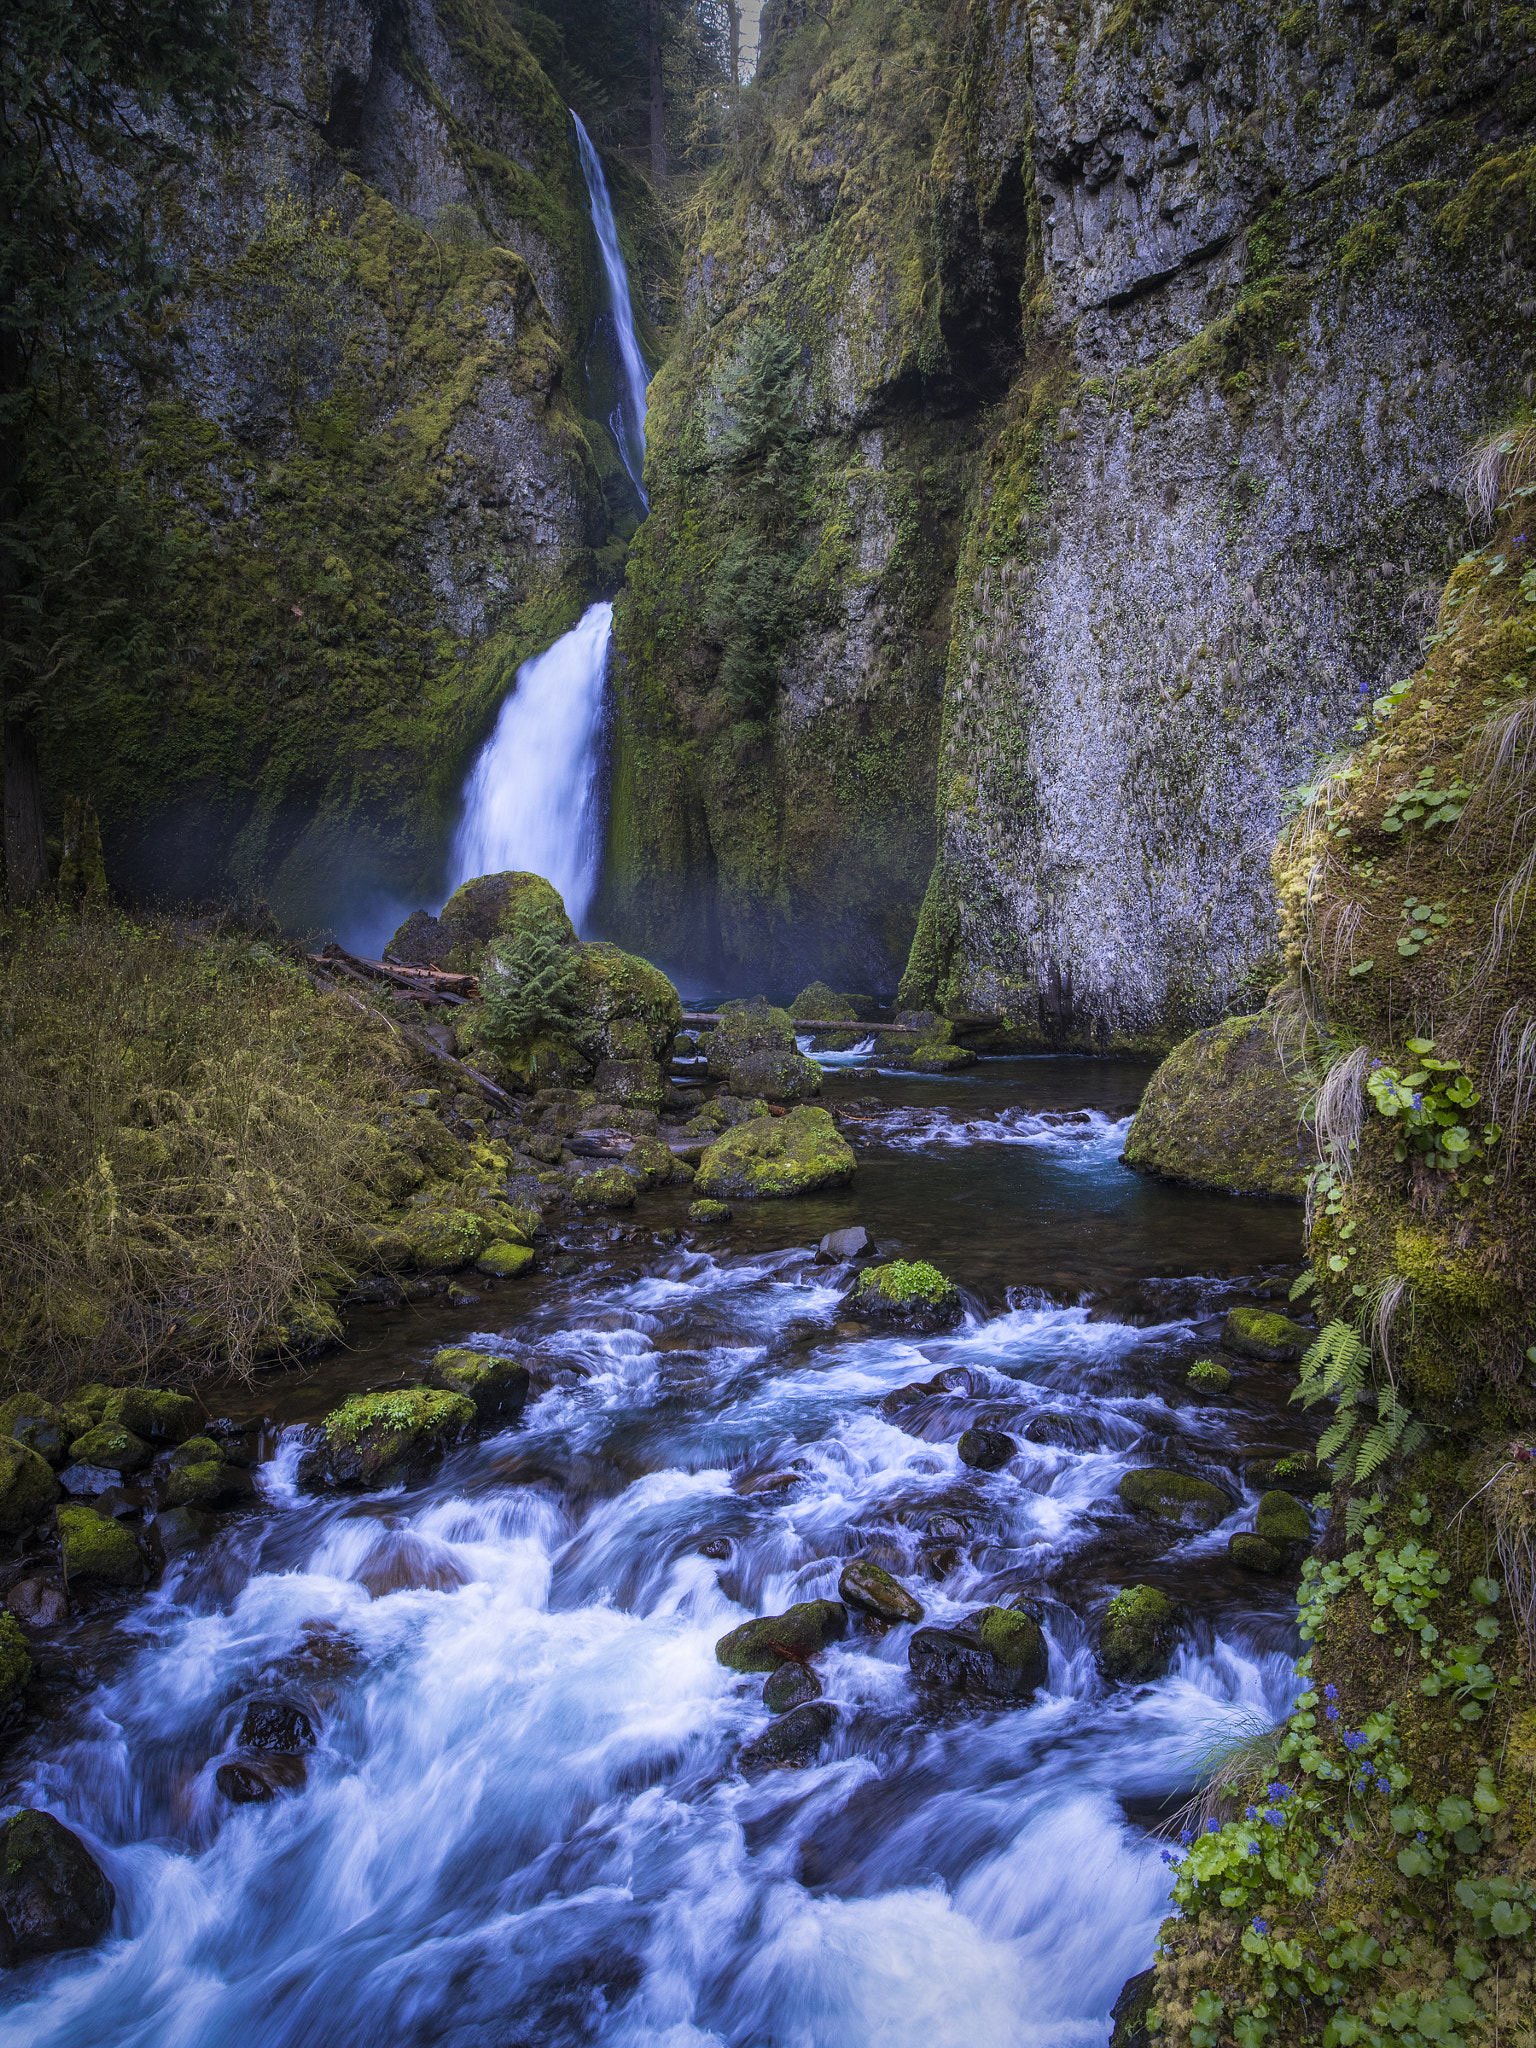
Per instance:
(53,1894)
(907,1291)
(870,1587)
(771,1156)
(207,1483)
(374,1439)
(1138,1633)
(431,1236)
(96,1547)
(1175,1497)
(28,1488)
(494,1382)
(111,1448)
(934,1050)
(789,1687)
(1206,1376)
(504,1261)
(1222,1111)
(153,1412)
(1262,1334)
(996,1655)
(708,1211)
(38,1424)
(477,913)
(1281,1518)
(1255,1553)
(15,1663)
(801,1631)
(752,1050)
(792,1743)
(610,1187)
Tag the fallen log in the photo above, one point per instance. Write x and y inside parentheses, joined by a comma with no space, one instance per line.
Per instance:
(429,986)
(707,1019)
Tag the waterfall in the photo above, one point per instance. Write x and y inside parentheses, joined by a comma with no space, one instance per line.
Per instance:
(627,419)
(533,799)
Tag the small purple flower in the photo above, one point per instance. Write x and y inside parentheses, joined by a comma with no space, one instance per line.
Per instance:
(1332,1713)
(1275,1816)
(1260,1926)
(1252,1813)
(1330,1692)
(1418,1099)
(1186,1838)
(1253,1848)
(1213,1827)
(1279,1791)
(1169,1856)
(1354,1740)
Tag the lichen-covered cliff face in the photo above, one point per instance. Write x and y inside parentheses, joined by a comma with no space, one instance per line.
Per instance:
(376,450)
(782,637)
(1138,349)
(1286,273)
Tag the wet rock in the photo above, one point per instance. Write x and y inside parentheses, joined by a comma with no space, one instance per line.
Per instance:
(985,1450)
(789,1687)
(1175,1497)
(182,1529)
(259,1780)
(199,1478)
(1254,1553)
(53,1893)
(715,1546)
(871,1588)
(954,1380)
(793,1743)
(1052,1428)
(277,1725)
(152,1412)
(38,1424)
(1295,1472)
(709,1212)
(768,1482)
(460,1296)
(111,1448)
(1223,1111)
(996,1654)
(909,1292)
(28,1488)
(800,1632)
(1138,1633)
(1132,2012)
(775,1156)
(94,1547)
(610,1187)
(15,1662)
(372,1439)
(1282,1519)
(1260,1333)
(752,1050)
(40,1603)
(405,1562)
(496,1383)
(838,1246)
(1205,1376)
(932,1051)
(504,1261)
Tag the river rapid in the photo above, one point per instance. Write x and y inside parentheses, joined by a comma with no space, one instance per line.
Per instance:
(522,1825)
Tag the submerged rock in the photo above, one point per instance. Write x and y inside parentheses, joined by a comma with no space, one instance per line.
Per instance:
(373,1439)
(790,1686)
(255,1781)
(996,1654)
(28,1488)
(1222,1112)
(95,1547)
(985,1450)
(772,1156)
(870,1587)
(496,1383)
(1262,1334)
(1138,1633)
(1175,1497)
(54,1895)
(276,1724)
(793,1743)
(907,1291)
(776,1639)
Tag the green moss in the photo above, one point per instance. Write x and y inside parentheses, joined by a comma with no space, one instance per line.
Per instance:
(1174,1497)
(609,1188)
(1261,1333)
(152,1412)
(1206,1376)
(709,1212)
(908,1282)
(1222,1112)
(773,1156)
(414,1414)
(789,1637)
(94,1547)
(1014,1639)
(497,1384)
(1282,1519)
(504,1261)
(112,1448)
(15,1663)
(1137,1635)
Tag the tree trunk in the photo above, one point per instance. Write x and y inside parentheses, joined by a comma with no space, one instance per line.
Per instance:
(735,14)
(26,850)
(658,104)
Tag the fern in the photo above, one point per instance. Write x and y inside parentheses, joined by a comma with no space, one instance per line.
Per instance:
(1303,1283)
(1339,1367)
(530,990)
(1395,1435)
(1337,1364)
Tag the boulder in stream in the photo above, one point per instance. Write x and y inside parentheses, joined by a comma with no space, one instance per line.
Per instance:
(276,1725)
(752,1050)
(790,1637)
(910,1292)
(1255,1553)
(996,1654)
(28,1488)
(709,1212)
(771,1156)
(154,1413)
(1138,1633)
(985,1450)
(1175,1497)
(54,1895)
(871,1588)
(199,1477)
(1263,1334)
(496,1383)
(372,1439)
(1132,2011)
(838,1246)
(793,1743)
(504,1260)
(790,1686)
(1222,1111)
(1281,1518)
(97,1547)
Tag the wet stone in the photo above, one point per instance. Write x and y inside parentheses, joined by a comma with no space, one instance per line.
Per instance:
(39,1603)
(1282,1519)
(985,1450)
(995,1655)
(799,1632)
(1175,1497)
(1132,2010)
(256,1782)
(715,1546)
(1254,1554)
(870,1587)
(1137,1634)
(840,1245)
(790,1686)
(793,1743)
(53,1893)
(1261,1334)
(276,1725)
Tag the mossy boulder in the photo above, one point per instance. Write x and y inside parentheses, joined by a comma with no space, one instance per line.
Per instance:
(53,1893)
(38,1424)
(800,1632)
(477,912)
(495,1383)
(111,1448)
(720,1114)
(932,1050)
(872,1589)
(1138,1633)
(996,1655)
(610,1187)
(1222,1112)
(1281,1518)
(154,1413)
(753,1051)
(1263,1334)
(435,1236)
(1255,1553)
(823,1004)
(374,1439)
(1294,1472)
(789,1687)
(1206,1376)
(1175,1497)
(15,1663)
(629,1011)
(28,1488)
(907,1291)
(772,1156)
(199,1477)
(96,1547)
(709,1212)
(504,1261)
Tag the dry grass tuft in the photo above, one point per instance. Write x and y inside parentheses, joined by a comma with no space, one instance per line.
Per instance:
(186,1148)
(1497,467)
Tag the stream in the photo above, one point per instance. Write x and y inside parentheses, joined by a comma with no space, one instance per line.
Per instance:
(521,1822)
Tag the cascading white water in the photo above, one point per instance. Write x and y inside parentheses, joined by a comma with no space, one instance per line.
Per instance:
(628,417)
(533,799)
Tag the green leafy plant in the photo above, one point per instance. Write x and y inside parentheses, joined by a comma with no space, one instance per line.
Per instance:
(1373,1424)
(529,985)
(1426,805)
(1428,1103)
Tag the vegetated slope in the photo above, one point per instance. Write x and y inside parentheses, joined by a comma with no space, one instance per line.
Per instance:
(373,453)
(1137,350)
(1376,1881)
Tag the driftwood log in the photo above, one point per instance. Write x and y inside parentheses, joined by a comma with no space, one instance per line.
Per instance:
(432,987)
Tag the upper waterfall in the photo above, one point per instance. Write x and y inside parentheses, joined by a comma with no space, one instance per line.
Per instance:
(627,419)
